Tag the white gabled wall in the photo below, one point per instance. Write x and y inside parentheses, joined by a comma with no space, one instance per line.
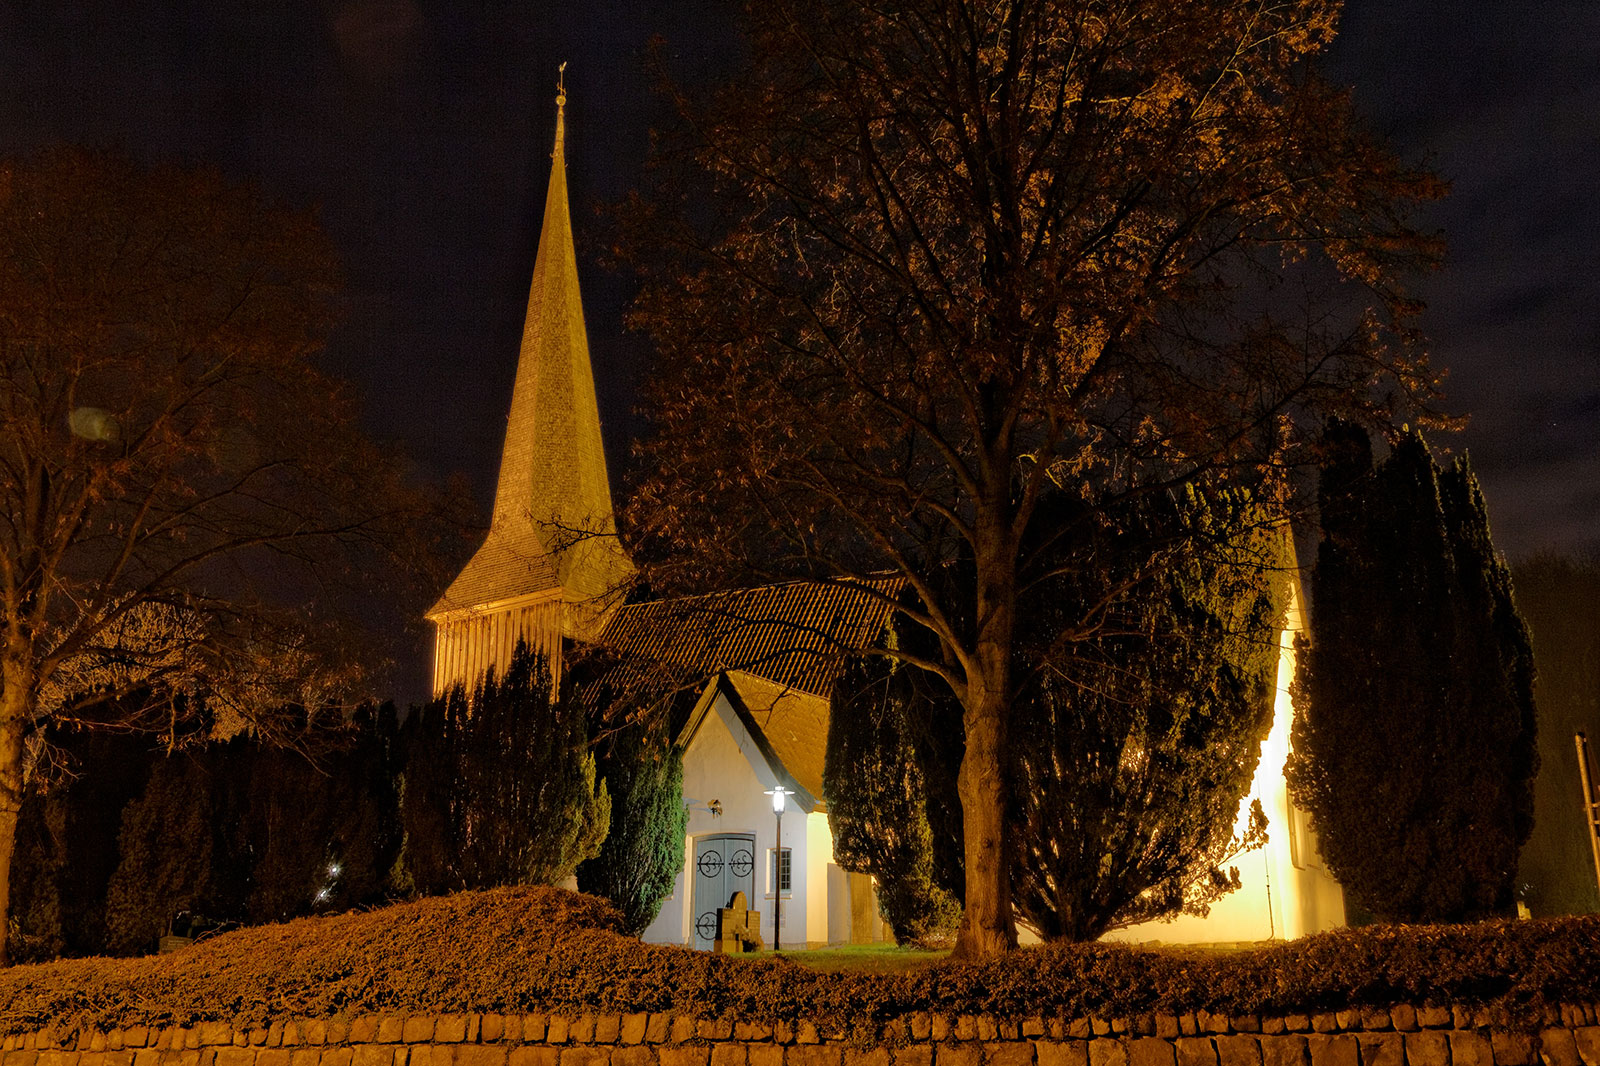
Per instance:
(722,763)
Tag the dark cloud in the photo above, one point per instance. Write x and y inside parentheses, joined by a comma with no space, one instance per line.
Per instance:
(422,129)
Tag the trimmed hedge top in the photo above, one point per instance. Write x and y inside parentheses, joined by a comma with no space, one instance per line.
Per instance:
(540,949)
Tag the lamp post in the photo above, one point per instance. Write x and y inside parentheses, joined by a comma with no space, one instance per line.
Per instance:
(778,792)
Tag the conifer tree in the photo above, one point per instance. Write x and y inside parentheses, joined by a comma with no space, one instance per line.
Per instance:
(1415,737)
(165,853)
(501,789)
(643,852)
(1135,745)
(876,777)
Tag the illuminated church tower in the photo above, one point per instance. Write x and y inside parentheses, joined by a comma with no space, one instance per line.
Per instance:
(551,564)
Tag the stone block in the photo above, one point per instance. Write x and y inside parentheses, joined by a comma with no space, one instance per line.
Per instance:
(275,1056)
(534,1027)
(1469,1049)
(966,1027)
(878,1056)
(811,1055)
(1375,1019)
(491,1028)
(364,1030)
(1238,1050)
(1403,1016)
(1061,1053)
(1166,1026)
(636,1055)
(305,1056)
(1558,1048)
(987,1029)
(1297,1023)
(1150,1051)
(630,1029)
(806,1033)
(530,1055)
(390,1028)
(724,1054)
(1324,1022)
(1332,1050)
(417,1029)
(908,1055)
(1433,1017)
(1108,1053)
(752,1032)
(1284,1050)
(558,1029)
(684,1055)
(373,1055)
(1004,1053)
(213,1033)
(1188,1024)
(582,1031)
(957,1055)
(1511,1049)
(136,1036)
(607,1028)
(585,1056)
(1080,1029)
(1031,1028)
(1588,1040)
(236,1056)
(336,1056)
(338,1030)
(1349,1018)
(1245,1023)
(449,1028)
(656,1028)
(1195,1051)
(481,1055)
(1381,1048)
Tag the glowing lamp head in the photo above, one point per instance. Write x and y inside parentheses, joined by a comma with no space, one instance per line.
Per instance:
(778,793)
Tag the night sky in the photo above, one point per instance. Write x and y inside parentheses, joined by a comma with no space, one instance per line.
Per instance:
(422,133)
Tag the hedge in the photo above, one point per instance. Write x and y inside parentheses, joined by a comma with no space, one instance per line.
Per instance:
(539,949)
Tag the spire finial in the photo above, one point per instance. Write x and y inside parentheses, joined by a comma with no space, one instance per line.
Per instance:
(561,105)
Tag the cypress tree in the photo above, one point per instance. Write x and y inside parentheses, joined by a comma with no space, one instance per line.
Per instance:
(501,789)
(877,783)
(1415,739)
(1135,745)
(165,851)
(642,855)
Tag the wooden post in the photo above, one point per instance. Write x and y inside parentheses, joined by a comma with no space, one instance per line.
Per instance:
(1591,808)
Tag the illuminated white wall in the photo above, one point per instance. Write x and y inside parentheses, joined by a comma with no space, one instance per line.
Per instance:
(723,763)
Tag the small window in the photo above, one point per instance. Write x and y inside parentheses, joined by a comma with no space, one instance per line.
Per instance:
(778,869)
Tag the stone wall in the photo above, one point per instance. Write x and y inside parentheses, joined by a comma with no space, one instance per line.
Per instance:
(1403,1036)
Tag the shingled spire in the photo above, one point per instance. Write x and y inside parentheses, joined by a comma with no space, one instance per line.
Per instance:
(551,556)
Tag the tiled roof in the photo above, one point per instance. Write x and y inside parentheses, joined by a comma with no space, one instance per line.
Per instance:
(796,635)
(794,723)
(509,564)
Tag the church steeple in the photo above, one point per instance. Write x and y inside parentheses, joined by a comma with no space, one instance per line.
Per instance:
(552,536)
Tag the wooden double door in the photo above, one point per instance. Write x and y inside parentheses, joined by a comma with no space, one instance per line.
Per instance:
(724,863)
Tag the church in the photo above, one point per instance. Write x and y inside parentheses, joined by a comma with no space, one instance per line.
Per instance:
(762,660)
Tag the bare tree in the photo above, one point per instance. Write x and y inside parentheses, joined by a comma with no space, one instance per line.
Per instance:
(953,253)
(179,486)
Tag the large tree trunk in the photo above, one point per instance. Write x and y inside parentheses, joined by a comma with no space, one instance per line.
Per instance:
(987,926)
(12,705)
